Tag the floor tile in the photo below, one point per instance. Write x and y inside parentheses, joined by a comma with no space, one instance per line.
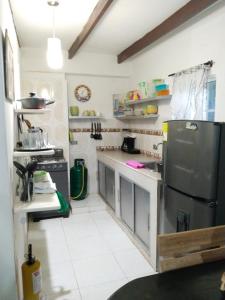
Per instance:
(86,256)
(66,295)
(133,263)
(105,223)
(103,291)
(48,225)
(118,241)
(79,203)
(97,270)
(51,252)
(58,277)
(74,219)
(80,231)
(88,247)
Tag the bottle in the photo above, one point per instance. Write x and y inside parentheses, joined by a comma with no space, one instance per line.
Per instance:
(31,274)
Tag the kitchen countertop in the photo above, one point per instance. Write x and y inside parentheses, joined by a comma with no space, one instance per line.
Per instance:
(121,158)
(40,202)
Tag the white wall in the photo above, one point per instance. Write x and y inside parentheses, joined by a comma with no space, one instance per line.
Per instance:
(104,76)
(8,289)
(55,122)
(102,88)
(201,40)
(33,59)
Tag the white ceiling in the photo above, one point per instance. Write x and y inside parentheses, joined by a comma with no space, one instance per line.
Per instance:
(123,23)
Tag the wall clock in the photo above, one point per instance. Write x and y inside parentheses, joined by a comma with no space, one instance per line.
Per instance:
(82,93)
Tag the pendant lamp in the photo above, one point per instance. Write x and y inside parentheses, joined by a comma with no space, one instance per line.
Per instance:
(54,47)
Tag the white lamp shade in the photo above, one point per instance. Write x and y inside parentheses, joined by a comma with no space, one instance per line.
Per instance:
(54,53)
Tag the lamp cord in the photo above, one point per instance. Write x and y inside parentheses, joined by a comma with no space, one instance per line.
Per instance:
(53,21)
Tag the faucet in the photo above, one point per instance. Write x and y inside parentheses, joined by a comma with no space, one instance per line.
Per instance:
(156,146)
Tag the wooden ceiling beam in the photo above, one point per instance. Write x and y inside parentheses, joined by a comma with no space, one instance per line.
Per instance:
(95,16)
(181,16)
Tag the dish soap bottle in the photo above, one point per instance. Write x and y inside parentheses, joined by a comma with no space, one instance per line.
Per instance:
(31,274)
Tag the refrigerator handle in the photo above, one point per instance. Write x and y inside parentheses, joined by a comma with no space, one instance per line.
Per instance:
(183,221)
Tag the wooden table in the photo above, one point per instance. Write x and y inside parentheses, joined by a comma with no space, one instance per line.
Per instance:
(194,283)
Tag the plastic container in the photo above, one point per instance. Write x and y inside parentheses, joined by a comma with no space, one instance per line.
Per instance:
(163,93)
(34,140)
(158,81)
(161,87)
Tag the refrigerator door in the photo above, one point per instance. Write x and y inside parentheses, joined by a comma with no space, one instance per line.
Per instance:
(192,155)
(182,213)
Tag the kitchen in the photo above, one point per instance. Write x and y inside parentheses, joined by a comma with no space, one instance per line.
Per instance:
(95,65)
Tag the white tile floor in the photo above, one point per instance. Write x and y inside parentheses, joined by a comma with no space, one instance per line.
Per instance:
(86,256)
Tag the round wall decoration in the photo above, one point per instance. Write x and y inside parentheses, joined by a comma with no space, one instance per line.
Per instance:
(82,93)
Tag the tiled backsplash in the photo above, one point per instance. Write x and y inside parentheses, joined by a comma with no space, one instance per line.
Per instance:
(138,131)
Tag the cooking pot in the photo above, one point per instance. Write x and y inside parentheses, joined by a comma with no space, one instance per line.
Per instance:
(34,102)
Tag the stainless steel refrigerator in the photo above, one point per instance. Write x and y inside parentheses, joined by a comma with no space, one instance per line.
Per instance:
(194,176)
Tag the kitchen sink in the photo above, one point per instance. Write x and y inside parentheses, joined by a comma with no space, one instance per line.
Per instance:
(155,166)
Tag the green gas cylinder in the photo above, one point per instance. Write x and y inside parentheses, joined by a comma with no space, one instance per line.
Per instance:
(78,180)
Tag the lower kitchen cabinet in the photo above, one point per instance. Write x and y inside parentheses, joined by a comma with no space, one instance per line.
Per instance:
(127,202)
(110,187)
(142,214)
(101,179)
(106,184)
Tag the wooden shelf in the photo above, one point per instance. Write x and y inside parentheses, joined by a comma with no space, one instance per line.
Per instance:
(39,202)
(86,118)
(32,111)
(152,116)
(32,153)
(146,100)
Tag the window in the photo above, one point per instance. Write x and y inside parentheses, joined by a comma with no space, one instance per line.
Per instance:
(211,99)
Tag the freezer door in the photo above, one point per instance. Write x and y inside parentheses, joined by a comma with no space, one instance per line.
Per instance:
(192,154)
(182,213)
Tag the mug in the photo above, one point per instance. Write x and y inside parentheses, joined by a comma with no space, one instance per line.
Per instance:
(74,110)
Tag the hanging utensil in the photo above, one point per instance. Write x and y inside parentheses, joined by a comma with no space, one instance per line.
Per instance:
(27,122)
(95,132)
(19,125)
(100,131)
(92,130)
(20,167)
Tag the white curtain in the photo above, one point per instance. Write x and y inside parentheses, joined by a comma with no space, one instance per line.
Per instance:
(189,95)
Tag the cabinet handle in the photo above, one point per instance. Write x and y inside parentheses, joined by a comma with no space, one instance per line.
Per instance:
(148,222)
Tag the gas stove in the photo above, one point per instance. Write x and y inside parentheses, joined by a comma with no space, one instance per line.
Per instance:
(57,167)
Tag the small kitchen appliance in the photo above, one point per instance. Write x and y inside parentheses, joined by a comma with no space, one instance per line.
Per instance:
(129,145)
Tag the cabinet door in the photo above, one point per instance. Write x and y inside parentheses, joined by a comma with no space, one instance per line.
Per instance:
(101,179)
(127,202)
(110,187)
(142,213)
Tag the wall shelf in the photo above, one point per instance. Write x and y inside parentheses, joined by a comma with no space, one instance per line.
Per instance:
(146,100)
(32,111)
(32,153)
(86,118)
(152,116)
